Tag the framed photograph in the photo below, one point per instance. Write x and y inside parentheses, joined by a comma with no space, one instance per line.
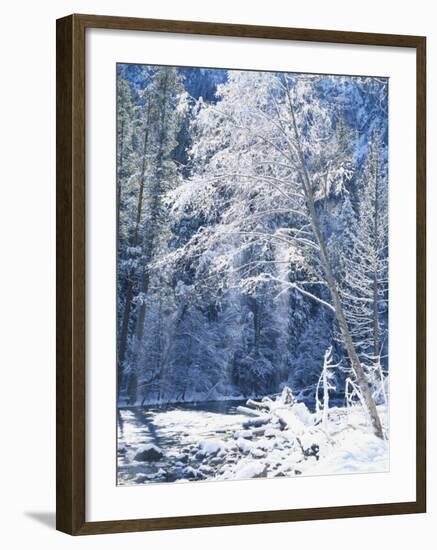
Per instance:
(240,274)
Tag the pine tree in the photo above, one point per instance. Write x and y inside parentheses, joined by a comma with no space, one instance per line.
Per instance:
(164,102)
(365,287)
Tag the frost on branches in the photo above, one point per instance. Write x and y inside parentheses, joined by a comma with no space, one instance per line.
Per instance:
(252,273)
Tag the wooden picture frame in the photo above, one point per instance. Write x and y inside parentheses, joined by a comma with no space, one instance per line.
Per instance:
(71,283)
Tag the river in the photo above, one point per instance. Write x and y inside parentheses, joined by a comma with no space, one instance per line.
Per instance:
(176,429)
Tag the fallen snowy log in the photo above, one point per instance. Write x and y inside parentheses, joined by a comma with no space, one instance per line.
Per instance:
(258,405)
(257,422)
(250,434)
(249,412)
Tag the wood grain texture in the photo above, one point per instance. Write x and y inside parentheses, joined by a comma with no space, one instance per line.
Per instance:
(71,279)
(246,31)
(421,274)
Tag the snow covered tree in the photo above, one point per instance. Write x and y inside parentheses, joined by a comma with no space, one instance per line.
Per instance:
(365,288)
(163,103)
(126,115)
(326,383)
(260,153)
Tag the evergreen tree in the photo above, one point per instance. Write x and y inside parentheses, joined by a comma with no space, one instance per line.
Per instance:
(365,288)
(157,173)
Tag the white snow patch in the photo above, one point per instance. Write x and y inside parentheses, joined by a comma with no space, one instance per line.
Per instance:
(245,434)
(250,469)
(211,446)
(358,453)
(244,445)
(257,453)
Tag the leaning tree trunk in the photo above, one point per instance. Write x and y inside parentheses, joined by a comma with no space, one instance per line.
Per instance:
(369,402)
(363,385)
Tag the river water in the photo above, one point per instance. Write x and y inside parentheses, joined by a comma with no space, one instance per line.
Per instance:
(176,429)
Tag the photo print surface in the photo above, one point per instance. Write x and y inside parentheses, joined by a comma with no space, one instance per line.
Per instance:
(252,274)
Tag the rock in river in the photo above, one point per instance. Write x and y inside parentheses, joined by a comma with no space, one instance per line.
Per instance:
(149,453)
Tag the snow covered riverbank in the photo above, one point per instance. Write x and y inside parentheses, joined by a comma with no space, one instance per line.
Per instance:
(267,439)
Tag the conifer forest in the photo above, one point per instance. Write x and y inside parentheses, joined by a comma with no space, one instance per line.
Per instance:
(252,274)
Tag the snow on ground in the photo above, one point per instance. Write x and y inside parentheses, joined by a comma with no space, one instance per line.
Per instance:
(208,447)
(280,439)
(357,453)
